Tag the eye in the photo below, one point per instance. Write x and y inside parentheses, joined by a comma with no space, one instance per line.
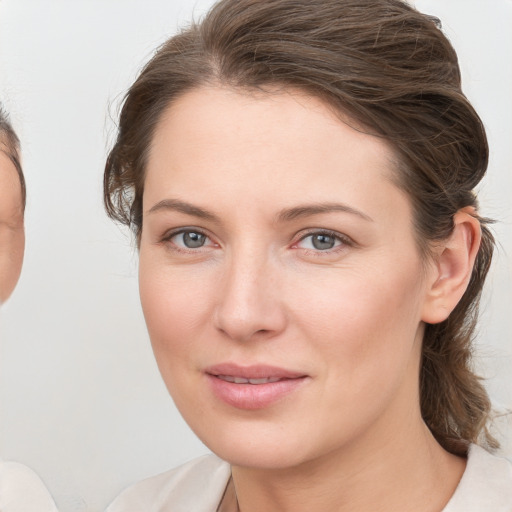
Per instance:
(321,241)
(189,239)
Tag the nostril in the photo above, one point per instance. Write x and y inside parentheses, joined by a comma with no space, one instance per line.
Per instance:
(244,328)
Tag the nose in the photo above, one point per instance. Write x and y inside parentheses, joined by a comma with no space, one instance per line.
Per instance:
(250,304)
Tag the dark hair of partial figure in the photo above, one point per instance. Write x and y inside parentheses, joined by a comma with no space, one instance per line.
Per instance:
(10,145)
(389,71)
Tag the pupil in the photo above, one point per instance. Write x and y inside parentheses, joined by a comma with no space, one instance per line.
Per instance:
(193,240)
(323,242)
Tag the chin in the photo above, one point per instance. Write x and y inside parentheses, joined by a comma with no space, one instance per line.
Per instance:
(262,445)
(263,456)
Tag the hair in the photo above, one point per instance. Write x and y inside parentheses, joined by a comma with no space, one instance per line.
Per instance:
(393,73)
(10,146)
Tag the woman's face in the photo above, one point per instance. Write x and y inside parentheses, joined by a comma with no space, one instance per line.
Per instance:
(279,276)
(12,235)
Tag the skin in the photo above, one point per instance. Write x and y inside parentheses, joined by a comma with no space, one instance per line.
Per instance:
(12,234)
(350,318)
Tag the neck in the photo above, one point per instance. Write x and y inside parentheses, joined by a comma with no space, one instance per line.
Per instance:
(406,470)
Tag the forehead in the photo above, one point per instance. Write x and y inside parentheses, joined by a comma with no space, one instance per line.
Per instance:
(287,145)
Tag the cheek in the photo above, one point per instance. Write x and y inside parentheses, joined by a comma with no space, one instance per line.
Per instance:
(12,246)
(366,322)
(176,306)
(363,330)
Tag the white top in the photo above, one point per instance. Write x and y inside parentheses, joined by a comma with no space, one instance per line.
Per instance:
(21,490)
(198,486)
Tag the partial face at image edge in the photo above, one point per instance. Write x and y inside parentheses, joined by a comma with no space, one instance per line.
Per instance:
(12,234)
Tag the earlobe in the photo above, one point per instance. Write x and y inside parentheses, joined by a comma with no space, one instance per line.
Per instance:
(452,268)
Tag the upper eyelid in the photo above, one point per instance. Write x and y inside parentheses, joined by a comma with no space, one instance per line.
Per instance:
(329,232)
(187,229)
(166,239)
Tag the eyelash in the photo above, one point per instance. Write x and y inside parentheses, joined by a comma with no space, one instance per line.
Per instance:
(344,240)
(167,239)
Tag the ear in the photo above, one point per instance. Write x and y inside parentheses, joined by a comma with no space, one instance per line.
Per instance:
(452,267)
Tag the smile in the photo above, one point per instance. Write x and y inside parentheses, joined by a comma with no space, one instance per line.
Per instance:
(252,387)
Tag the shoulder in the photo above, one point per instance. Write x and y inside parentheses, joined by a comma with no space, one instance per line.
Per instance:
(485,485)
(197,485)
(21,490)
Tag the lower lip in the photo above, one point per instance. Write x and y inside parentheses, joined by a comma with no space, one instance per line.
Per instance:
(253,396)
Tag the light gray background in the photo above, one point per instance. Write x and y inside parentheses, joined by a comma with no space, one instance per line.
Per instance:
(81,399)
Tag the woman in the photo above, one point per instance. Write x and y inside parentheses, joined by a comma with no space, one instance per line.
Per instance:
(21,490)
(300,179)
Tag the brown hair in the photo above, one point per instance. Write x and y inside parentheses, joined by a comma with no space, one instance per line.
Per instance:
(10,145)
(395,74)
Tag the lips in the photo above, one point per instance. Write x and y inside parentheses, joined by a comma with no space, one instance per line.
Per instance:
(252,372)
(243,380)
(252,387)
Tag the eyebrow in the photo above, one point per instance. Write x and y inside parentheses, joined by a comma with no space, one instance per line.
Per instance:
(183,207)
(307,210)
(285,215)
